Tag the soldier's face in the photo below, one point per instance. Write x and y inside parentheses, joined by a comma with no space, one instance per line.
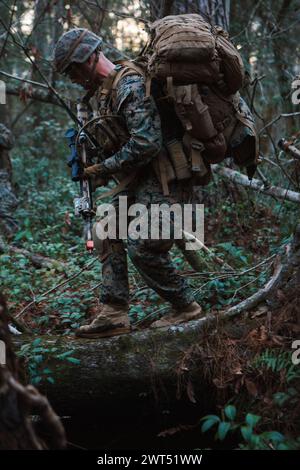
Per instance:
(78,73)
(82,74)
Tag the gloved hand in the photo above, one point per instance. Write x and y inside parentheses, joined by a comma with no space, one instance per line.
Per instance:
(94,170)
(97,175)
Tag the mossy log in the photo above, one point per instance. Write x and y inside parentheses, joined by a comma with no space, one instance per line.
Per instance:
(121,372)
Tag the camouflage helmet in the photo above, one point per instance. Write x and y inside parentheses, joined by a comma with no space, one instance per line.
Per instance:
(6,138)
(76,45)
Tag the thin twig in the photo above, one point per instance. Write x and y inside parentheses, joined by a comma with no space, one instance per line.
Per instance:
(283,115)
(26,80)
(117,13)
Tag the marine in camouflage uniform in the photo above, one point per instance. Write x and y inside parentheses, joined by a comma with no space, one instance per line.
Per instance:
(150,257)
(143,140)
(78,55)
(8,200)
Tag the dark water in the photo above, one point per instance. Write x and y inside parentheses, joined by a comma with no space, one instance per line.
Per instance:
(139,431)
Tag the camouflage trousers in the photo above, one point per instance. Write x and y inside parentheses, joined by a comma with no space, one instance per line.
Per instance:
(150,257)
(8,204)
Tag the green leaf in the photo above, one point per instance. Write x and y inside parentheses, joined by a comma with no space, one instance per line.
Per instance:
(36,380)
(247,432)
(274,436)
(211,417)
(64,355)
(252,420)
(208,423)
(39,350)
(223,429)
(255,441)
(283,446)
(230,412)
(38,358)
(280,398)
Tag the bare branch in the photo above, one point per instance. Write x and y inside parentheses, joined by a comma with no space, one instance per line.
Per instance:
(37,260)
(117,13)
(50,87)
(257,185)
(26,80)
(284,115)
(38,95)
(259,296)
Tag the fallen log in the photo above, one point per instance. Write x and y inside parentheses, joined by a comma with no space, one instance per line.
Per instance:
(39,261)
(123,373)
(256,185)
(146,369)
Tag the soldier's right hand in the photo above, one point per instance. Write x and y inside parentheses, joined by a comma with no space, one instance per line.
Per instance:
(94,170)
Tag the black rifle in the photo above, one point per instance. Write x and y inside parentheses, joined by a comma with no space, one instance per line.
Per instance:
(84,147)
(80,158)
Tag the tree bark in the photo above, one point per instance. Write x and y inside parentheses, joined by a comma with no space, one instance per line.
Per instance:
(216,11)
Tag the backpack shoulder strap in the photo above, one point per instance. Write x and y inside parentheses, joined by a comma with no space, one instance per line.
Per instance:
(110,84)
(129,69)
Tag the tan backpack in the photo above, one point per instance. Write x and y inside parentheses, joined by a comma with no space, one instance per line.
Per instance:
(186,49)
(201,72)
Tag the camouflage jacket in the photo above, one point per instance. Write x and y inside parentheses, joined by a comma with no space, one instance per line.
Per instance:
(138,121)
(144,124)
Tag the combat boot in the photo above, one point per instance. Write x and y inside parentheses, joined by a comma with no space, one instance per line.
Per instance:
(113,320)
(190,312)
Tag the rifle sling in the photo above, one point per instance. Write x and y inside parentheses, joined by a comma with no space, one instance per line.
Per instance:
(122,185)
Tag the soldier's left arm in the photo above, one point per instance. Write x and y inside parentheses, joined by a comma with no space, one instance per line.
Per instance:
(143,124)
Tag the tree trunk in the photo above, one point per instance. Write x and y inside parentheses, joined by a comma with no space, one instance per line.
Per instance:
(217,11)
